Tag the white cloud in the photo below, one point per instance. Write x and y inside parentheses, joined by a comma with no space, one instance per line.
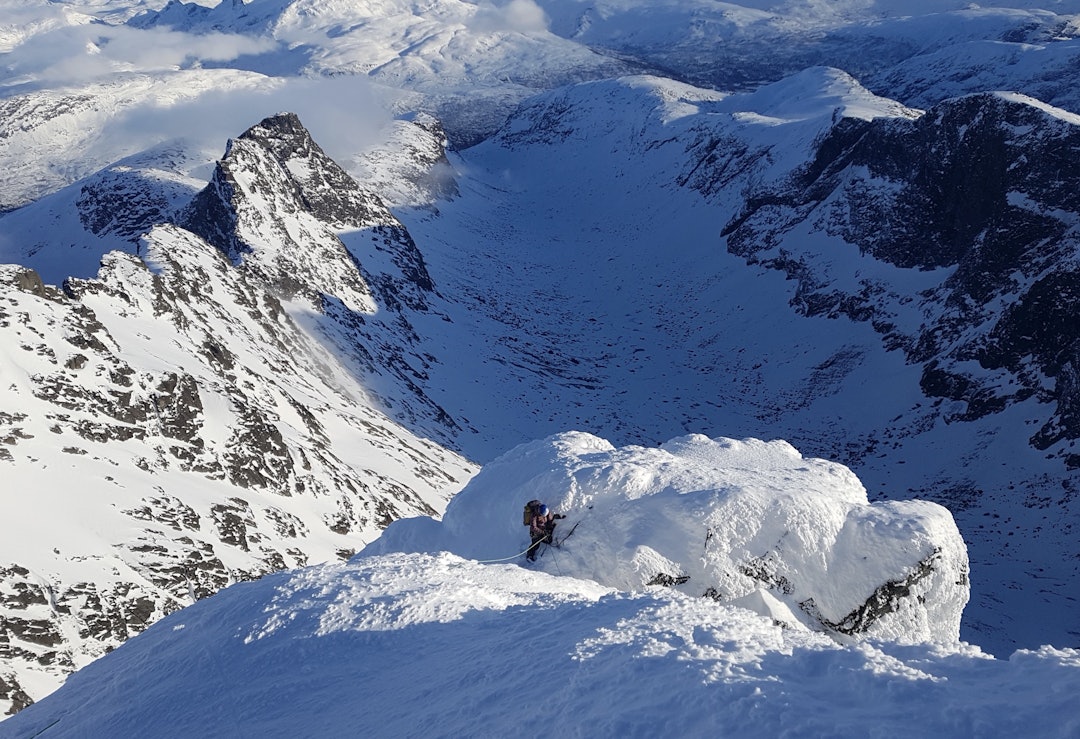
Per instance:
(87,52)
(342,114)
(523,16)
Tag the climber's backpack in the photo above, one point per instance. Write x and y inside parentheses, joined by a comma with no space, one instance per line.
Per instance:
(531,509)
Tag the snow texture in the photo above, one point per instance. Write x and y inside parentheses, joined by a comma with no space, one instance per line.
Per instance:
(436,645)
(721,518)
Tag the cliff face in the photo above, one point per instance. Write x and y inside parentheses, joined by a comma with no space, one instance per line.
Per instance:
(977,194)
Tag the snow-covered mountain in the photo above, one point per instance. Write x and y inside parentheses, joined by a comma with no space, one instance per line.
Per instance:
(437,644)
(819,222)
(645,330)
(213,412)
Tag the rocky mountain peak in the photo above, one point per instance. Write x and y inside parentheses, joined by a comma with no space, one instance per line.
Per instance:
(974,193)
(325,189)
(220,436)
(277,203)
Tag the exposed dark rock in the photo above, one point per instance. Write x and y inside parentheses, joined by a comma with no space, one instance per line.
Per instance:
(668,581)
(285,524)
(187,568)
(168,510)
(763,569)
(12,694)
(121,201)
(979,185)
(257,455)
(178,408)
(29,281)
(235,523)
(886,599)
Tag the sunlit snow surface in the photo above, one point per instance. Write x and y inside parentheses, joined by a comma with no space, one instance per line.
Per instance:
(438,646)
(723,517)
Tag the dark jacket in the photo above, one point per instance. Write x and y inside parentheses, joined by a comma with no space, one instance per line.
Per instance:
(541,526)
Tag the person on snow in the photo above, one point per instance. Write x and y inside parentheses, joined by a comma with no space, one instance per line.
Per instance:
(541,527)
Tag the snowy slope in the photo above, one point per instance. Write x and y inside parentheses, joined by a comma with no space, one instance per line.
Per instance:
(435,645)
(730,520)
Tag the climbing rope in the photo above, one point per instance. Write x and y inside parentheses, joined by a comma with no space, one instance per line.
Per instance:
(552,543)
(504,559)
(560,541)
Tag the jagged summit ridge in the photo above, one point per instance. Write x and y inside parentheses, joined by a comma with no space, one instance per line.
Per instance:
(276,203)
(214,436)
(259,213)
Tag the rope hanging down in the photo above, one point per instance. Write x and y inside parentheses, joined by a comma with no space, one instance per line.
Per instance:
(526,550)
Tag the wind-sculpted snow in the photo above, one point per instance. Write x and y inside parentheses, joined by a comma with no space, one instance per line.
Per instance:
(720,518)
(437,645)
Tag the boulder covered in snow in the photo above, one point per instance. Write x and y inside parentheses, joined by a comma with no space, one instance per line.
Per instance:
(748,522)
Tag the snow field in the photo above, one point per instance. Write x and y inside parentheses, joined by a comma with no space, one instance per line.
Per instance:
(435,645)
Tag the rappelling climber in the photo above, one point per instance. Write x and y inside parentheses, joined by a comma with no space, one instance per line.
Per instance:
(541,527)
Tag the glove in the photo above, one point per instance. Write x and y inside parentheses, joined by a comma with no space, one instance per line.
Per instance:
(559,515)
